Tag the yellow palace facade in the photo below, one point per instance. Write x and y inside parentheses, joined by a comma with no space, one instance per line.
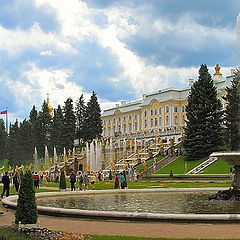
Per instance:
(161,113)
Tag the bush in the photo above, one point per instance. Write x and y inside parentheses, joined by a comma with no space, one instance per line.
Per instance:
(26,205)
(62,183)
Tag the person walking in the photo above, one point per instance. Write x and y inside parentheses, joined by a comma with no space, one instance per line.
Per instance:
(6,184)
(72,180)
(122,180)
(92,180)
(86,180)
(36,180)
(16,181)
(116,181)
(81,181)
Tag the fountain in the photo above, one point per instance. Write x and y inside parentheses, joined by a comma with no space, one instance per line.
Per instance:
(233,158)
(55,155)
(46,158)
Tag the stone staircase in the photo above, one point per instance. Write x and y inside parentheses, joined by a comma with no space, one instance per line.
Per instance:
(202,166)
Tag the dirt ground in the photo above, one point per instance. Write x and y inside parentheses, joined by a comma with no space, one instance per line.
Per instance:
(121,228)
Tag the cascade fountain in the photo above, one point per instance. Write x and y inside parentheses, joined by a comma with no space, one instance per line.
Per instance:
(92,156)
(98,151)
(35,160)
(88,156)
(55,160)
(64,155)
(46,158)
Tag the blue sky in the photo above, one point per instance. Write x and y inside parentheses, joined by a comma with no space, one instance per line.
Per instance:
(119,49)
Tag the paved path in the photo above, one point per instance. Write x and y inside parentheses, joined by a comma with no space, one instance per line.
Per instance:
(121,228)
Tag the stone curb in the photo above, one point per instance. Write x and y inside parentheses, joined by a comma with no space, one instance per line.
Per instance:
(11,202)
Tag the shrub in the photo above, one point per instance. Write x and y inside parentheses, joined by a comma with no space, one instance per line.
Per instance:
(26,205)
(62,183)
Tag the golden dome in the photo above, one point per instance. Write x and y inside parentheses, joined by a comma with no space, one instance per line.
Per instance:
(50,108)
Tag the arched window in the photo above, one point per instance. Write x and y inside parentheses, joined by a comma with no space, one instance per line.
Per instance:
(167,120)
(160,121)
(145,113)
(167,109)
(145,123)
(160,110)
(156,111)
(175,109)
(176,120)
(151,112)
(151,122)
(156,122)
(136,126)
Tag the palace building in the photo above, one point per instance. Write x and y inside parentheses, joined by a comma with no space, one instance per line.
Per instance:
(161,113)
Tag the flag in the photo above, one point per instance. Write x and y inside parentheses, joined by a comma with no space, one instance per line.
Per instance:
(4,112)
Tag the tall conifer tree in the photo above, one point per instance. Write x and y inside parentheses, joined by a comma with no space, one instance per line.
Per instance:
(69,124)
(57,132)
(232,113)
(13,143)
(92,120)
(44,127)
(203,130)
(80,114)
(3,141)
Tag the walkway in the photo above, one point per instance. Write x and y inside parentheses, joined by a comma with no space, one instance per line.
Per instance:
(121,228)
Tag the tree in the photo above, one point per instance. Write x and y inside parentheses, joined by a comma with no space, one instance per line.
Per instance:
(92,120)
(80,114)
(232,112)
(26,148)
(44,122)
(204,117)
(57,131)
(62,182)
(3,140)
(69,124)
(13,143)
(26,205)
(33,120)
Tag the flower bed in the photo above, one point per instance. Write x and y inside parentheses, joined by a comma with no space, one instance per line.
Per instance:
(48,234)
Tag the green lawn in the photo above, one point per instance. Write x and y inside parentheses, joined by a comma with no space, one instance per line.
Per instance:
(151,184)
(3,163)
(180,166)
(140,167)
(218,167)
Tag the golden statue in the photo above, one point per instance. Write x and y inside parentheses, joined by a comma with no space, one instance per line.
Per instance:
(217,70)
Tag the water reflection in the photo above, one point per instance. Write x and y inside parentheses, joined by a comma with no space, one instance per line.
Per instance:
(158,202)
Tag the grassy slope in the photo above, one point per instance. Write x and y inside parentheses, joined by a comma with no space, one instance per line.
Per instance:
(218,167)
(180,166)
(140,167)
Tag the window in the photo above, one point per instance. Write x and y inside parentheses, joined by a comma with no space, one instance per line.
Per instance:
(130,127)
(151,122)
(160,110)
(151,112)
(167,109)
(145,113)
(136,126)
(176,120)
(124,128)
(167,120)
(175,109)
(145,123)
(156,122)
(160,121)
(156,111)
(183,108)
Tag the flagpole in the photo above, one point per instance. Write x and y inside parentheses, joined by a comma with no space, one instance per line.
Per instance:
(7,122)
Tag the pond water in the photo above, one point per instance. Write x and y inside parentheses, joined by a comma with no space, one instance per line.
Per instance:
(153,202)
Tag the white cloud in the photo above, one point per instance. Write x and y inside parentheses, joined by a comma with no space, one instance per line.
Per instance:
(17,40)
(46,53)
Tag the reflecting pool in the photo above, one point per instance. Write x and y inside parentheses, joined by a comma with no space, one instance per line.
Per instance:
(153,202)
